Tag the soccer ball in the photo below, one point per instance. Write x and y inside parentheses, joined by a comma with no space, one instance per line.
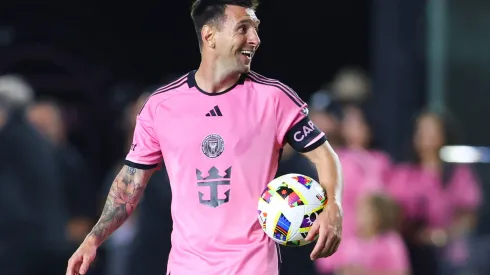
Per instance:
(288,207)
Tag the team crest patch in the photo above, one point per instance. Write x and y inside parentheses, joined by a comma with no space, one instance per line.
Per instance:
(212,146)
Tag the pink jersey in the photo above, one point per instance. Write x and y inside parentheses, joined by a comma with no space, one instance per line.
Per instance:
(220,151)
(422,195)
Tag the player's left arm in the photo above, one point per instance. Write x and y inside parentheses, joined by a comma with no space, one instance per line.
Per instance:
(329,225)
(306,138)
(295,128)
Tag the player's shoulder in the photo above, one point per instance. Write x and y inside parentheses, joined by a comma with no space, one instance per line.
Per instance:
(273,87)
(265,82)
(171,87)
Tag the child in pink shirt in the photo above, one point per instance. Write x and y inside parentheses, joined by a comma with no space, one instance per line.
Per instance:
(378,249)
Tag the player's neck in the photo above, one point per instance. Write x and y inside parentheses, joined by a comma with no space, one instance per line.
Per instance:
(213,79)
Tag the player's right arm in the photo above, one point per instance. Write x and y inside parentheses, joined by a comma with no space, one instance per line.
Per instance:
(124,195)
(126,190)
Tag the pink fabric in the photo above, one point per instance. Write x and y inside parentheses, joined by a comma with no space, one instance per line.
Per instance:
(384,253)
(364,172)
(255,116)
(422,195)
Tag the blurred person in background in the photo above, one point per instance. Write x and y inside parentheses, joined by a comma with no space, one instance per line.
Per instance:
(325,113)
(351,86)
(32,231)
(47,118)
(439,200)
(379,248)
(15,90)
(3,114)
(366,170)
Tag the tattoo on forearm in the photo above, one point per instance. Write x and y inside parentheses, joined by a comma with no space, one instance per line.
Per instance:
(131,171)
(123,197)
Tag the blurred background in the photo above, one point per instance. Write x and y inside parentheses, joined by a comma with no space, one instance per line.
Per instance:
(393,83)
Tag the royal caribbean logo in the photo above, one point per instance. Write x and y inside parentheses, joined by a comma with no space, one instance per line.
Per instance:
(213,180)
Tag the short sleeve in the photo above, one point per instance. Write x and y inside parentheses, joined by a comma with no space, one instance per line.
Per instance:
(293,125)
(145,151)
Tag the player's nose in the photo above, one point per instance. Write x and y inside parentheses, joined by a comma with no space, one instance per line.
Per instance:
(254,40)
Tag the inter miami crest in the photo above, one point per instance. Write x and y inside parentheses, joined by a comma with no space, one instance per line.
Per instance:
(212,146)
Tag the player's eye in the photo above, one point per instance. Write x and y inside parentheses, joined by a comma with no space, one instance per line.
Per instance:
(242,29)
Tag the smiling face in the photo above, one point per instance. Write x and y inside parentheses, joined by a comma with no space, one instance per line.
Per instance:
(233,40)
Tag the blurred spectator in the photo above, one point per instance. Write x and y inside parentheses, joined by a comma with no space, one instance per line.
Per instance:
(325,113)
(365,170)
(32,231)
(47,119)
(15,90)
(439,200)
(4,111)
(351,86)
(379,248)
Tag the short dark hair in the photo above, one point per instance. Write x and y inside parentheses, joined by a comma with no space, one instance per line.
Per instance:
(212,12)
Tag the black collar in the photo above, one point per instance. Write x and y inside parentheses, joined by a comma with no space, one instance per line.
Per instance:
(191,81)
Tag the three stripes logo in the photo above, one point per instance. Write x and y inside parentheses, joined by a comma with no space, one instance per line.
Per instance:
(215,112)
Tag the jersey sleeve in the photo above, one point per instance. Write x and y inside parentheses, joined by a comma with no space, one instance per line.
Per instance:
(294,126)
(145,151)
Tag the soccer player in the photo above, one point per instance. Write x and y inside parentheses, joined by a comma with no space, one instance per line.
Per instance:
(220,130)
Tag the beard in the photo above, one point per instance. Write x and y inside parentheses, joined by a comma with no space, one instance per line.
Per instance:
(234,66)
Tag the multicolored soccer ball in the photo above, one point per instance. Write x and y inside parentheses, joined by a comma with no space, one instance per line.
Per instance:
(288,207)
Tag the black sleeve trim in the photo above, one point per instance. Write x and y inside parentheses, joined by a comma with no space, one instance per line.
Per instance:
(140,166)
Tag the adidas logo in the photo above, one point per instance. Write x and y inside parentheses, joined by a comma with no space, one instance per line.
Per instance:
(215,112)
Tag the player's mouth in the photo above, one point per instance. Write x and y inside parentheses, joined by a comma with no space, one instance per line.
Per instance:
(248,54)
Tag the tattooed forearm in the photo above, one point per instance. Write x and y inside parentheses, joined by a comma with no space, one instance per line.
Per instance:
(123,197)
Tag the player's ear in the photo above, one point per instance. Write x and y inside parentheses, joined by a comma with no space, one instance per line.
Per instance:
(208,35)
